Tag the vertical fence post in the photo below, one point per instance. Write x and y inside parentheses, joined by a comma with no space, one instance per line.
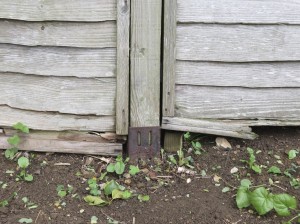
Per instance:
(122,101)
(144,134)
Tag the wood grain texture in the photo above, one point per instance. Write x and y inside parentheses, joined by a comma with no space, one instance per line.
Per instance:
(238,43)
(122,101)
(55,121)
(169,57)
(234,11)
(58,61)
(58,94)
(252,75)
(215,127)
(57,10)
(145,63)
(46,144)
(237,103)
(71,34)
(231,128)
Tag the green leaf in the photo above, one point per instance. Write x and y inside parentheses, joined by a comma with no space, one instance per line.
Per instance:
(62,193)
(14,140)
(119,167)
(143,197)
(23,162)
(284,202)
(225,189)
(95,200)
(21,127)
(126,194)
(187,135)
(110,168)
(25,220)
(95,192)
(196,145)
(60,187)
(117,194)
(242,197)
(94,220)
(25,200)
(28,178)
(256,168)
(292,154)
(245,183)
(133,170)
(261,200)
(274,170)
(172,159)
(10,153)
(110,186)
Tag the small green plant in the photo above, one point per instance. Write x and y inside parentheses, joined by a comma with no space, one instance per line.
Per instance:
(143,198)
(294,182)
(118,167)
(94,187)
(23,163)
(182,160)
(263,201)
(197,147)
(111,191)
(5,202)
(62,191)
(293,153)
(14,141)
(274,170)
(251,162)
(25,220)
(133,170)
(29,204)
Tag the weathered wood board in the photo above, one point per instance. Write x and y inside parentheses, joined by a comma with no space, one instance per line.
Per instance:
(58,10)
(238,43)
(232,128)
(55,121)
(235,11)
(58,61)
(252,75)
(145,63)
(80,143)
(70,34)
(58,94)
(237,103)
(123,41)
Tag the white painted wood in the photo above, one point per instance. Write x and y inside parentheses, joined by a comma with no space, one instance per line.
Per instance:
(64,146)
(58,61)
(280,74)
(237,103)
(122,101)
(58,10)
(71,34)
(55,121)
(145,63)
(60,94)
(169,58)
(238,43)
(237,11)
(215,127)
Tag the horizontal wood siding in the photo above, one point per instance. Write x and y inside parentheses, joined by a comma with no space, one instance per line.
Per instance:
(283,74)
(237,103)
(70,34)
(58,64)
(64,95)
(238,43)
(58,61)
(58,10)
(235,11)
(55,121)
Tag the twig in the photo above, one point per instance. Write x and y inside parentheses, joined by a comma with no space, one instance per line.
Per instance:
(37,216)
(133,220)
(275,185)
(164,176)
(62,164)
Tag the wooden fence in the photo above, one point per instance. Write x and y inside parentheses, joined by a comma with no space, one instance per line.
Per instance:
(95,65)
(231,64)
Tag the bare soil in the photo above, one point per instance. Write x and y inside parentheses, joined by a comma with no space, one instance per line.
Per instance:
(177,201)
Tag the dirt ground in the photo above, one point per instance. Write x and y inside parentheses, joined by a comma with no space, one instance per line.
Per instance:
(172,199)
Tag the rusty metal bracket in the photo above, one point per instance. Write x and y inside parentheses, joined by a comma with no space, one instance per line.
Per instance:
(143,142)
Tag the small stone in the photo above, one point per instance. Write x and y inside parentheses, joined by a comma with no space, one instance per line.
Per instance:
(140,185)
(127,182)
(127,175)
(223,143)
(234,170)
(189,180)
